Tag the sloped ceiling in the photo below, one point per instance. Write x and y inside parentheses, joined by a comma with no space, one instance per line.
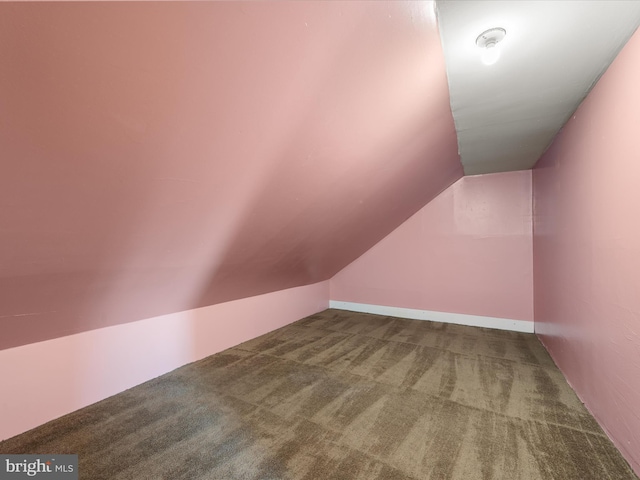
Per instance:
(157,157)
(507,113)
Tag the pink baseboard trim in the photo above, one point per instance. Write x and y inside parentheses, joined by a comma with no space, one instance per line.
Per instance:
(45,380)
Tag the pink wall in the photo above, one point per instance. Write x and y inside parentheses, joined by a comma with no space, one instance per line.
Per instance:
(45,380)
(162,156)
(468,251)
(587,251)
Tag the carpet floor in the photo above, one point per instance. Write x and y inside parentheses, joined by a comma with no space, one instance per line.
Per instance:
(340,396)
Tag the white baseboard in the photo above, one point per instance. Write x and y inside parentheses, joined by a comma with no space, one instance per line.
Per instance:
(525,326)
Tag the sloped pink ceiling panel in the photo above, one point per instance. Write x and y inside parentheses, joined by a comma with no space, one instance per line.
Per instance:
(158,157)
(587,251)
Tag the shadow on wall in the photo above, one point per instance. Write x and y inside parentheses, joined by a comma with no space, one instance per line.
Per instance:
(166,156)
(376,125)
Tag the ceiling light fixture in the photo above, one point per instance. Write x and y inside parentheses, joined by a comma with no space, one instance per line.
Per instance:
(488,41)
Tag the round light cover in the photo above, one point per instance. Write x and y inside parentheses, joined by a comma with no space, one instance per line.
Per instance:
(490,38)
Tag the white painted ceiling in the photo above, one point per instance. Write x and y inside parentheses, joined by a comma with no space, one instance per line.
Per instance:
(507,114)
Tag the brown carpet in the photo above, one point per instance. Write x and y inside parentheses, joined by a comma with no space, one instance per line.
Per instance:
(342,395)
